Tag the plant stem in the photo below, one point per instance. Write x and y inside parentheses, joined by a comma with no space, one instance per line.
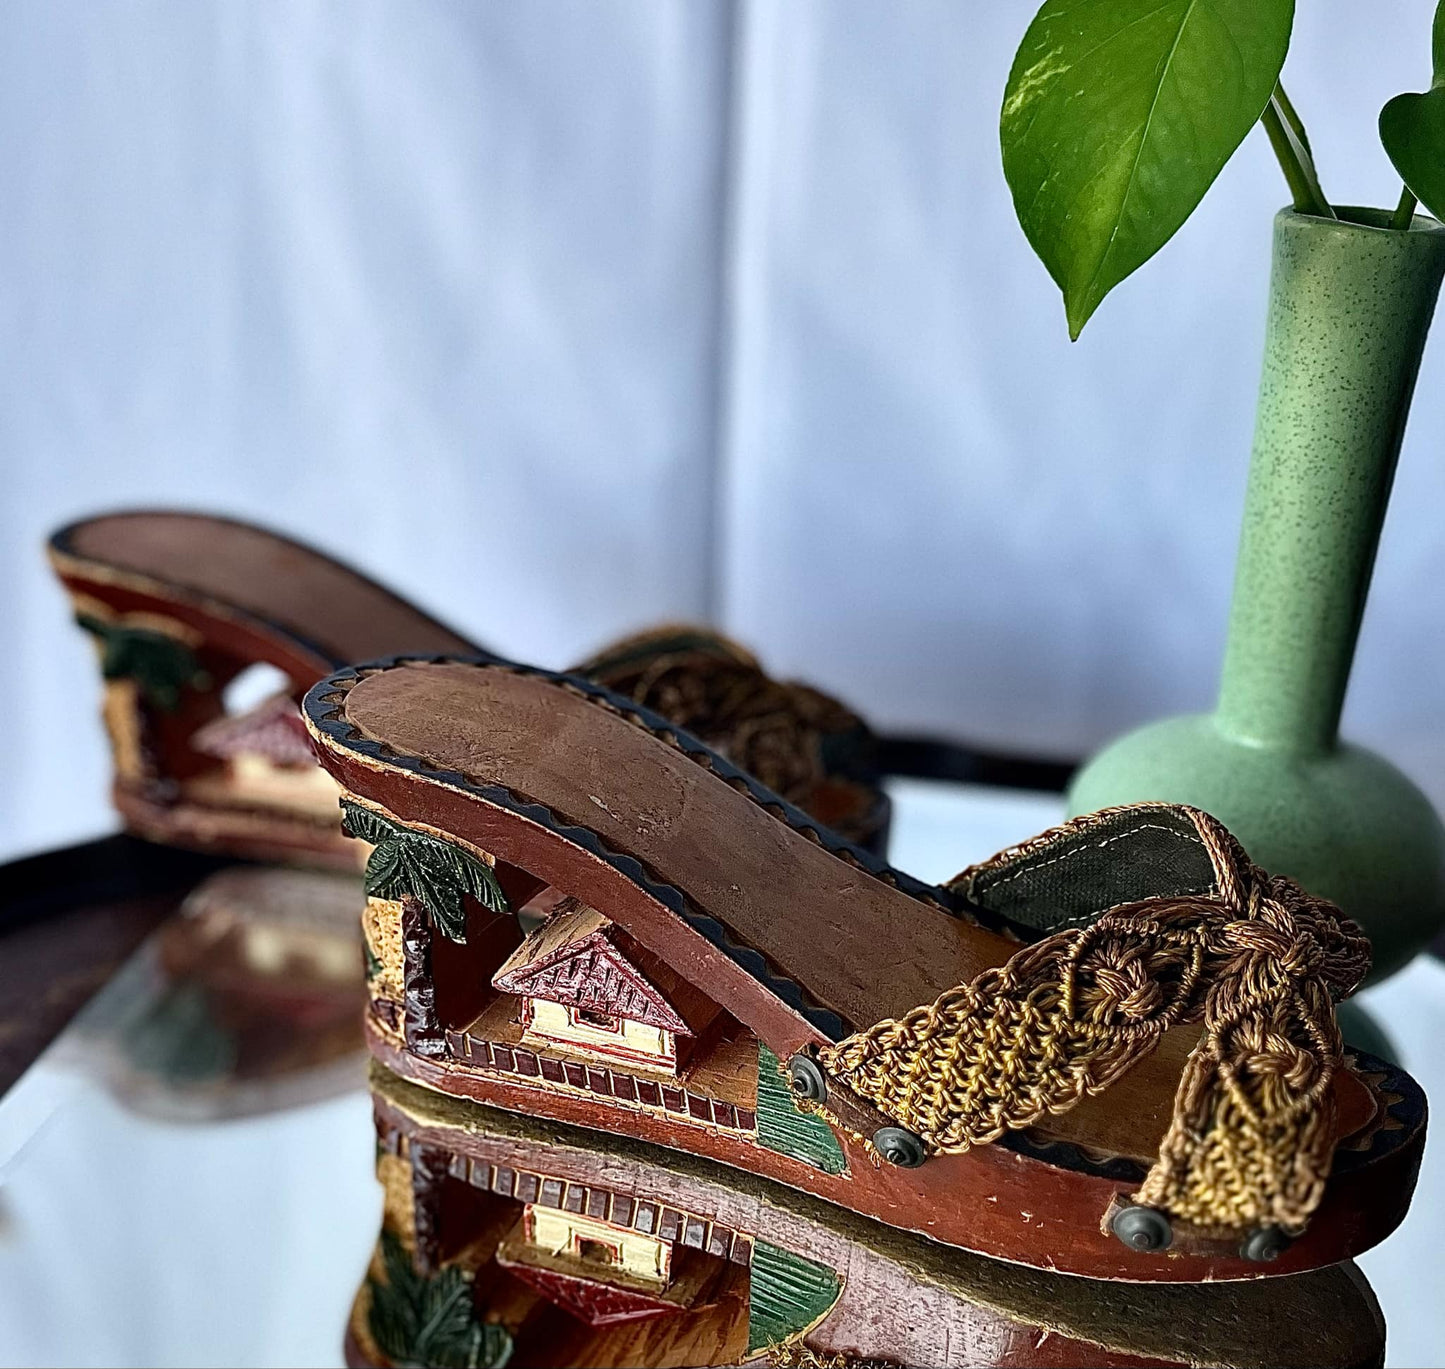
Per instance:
(1404,214)
(1291,150)
(1286,107)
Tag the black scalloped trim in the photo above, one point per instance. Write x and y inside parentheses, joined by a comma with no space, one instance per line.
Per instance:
(1406,1109)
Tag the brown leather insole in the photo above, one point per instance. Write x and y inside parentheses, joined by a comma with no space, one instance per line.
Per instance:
(855,944)
(302,591)
(859,947)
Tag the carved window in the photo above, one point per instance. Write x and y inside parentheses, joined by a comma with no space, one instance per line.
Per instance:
(595,1021)
(597,1252)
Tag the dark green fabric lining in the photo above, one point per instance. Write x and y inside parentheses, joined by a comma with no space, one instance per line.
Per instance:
(1138,853)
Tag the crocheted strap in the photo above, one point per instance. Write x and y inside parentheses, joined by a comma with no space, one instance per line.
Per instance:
(1257,960)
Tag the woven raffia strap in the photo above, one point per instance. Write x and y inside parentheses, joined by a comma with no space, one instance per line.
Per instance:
(1258,961)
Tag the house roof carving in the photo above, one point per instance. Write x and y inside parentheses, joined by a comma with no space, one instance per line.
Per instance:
(575,959)
(273,729)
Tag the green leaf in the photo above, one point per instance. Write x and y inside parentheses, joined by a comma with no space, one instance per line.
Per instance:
(160,666)
(181,1039)
(785,1128)
(357,821)
(1412,128)
(401,1275)
(434,872)
(383,867)
(1118,116)
(431,1322)
(787,1294)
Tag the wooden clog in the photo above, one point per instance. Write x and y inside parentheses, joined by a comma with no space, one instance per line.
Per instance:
(549,1245)
(717,972)
(180,604)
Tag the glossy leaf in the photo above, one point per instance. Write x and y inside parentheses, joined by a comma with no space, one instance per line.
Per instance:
(1412,128)
(1118,116)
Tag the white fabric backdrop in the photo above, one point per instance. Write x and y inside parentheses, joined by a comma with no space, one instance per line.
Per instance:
(564,317)
(935,500)
(434,285)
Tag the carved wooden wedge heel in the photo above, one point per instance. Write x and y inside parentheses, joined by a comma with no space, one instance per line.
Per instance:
(1110,1051)
(508,1240)
(180,604)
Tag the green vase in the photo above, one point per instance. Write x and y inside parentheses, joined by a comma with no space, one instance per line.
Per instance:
(1349,307)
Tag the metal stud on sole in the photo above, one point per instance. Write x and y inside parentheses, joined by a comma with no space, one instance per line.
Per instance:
(900,1147)
(1145,1229)
(1265,1243)
(807,1078)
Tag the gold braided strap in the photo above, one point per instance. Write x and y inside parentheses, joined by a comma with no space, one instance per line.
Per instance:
(1257,960)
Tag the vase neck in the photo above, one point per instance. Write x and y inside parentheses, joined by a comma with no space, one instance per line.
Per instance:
(1349,310)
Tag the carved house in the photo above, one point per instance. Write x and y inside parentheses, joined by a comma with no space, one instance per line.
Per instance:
(599,1271)
(529,1235)
(588,989)
(267,760)
(574,1005)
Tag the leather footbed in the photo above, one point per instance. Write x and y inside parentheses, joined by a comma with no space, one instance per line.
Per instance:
(270,577)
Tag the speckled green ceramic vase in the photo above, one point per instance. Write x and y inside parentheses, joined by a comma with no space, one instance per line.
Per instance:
(1350,305)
